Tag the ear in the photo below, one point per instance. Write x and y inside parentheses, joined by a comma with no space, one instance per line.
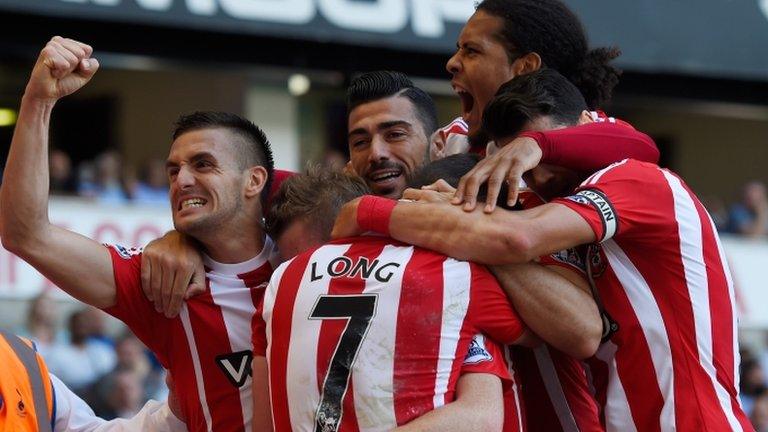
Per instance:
(436,146)
(526,64)
(257,179)
(586,118)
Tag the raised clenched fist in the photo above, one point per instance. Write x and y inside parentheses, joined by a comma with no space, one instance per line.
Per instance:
(64,65)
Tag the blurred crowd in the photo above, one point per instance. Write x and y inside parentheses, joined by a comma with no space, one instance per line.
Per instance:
(107,179)
(115,376)
(754,385)
(747,216)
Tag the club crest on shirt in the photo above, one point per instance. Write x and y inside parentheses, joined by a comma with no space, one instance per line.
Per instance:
(126,253)
(236,366)
(477,352)
(571,257)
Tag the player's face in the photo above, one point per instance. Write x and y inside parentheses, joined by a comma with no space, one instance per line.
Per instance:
(206,181)
(297,238)
(479,67)
(387,143)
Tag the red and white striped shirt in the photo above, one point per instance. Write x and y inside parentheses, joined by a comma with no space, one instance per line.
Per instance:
(207,348)
(673,363)
(368,333)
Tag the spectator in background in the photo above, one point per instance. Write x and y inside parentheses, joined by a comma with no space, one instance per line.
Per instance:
(42,324)
(81,362)
(123,393)
(152,187)
(759,415)
(105,184)
(717,210)
(63,181)
(750,217)
(752,383)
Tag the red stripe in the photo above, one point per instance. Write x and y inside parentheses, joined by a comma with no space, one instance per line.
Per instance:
(417,341)
(282,317)
(212,340)
(721,312)
(331,330)
(696,404)
(540,414)
(633,359)
(573,380)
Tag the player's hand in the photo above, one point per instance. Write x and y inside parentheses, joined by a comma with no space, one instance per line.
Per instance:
(507,165)
(437,192)
(171,271)
(346,221)
(63,67)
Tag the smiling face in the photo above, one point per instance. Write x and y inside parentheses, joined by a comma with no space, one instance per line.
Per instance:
(206,181)
(387,143)
(479,67)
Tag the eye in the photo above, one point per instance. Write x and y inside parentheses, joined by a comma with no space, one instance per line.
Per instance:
(172,172)
(203,164)
(396,135)
(357,144)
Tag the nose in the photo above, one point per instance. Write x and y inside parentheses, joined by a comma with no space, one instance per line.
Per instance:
(185,178)
(453,65)
(379,149)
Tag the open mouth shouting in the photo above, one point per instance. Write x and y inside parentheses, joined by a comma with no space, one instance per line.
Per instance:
(467,106)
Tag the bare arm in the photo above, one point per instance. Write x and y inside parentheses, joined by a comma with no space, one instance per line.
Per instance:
(172,271)
(78,265)
(262,410)
(501,237)
(556,304)
(479,407)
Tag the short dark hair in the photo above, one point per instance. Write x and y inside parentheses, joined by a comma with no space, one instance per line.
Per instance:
(550,29)
(316,196)
(527,97)
(254,148)
(452,169)
(373,86)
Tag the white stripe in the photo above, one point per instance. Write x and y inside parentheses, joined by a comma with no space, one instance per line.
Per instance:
(651,322)
(196,364)
(515,389)
(734,310)
(555,389)
(269,304)
(237,309)
(618,416)
(457,279)
(373,373)
(301,373)
(692,254)
(596,176)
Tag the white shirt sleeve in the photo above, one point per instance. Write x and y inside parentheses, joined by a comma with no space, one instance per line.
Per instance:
(72,414)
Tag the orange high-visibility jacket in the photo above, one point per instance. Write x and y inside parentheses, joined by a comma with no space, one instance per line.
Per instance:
(26,392)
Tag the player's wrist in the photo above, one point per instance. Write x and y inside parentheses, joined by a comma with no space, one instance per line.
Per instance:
(374,213)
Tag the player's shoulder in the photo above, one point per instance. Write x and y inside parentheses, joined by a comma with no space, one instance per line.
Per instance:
(625,171)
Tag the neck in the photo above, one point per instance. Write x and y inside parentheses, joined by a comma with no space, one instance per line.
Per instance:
(233,248)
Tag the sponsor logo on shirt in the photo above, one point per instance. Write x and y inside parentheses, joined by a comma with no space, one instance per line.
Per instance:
(477,352)
(236,366)
(604,209)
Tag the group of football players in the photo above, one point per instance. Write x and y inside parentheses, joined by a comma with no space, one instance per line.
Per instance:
(526,267)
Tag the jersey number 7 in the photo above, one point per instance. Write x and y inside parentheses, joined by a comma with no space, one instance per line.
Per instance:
(358,310)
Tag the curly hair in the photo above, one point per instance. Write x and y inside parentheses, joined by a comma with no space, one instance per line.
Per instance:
(550,29)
